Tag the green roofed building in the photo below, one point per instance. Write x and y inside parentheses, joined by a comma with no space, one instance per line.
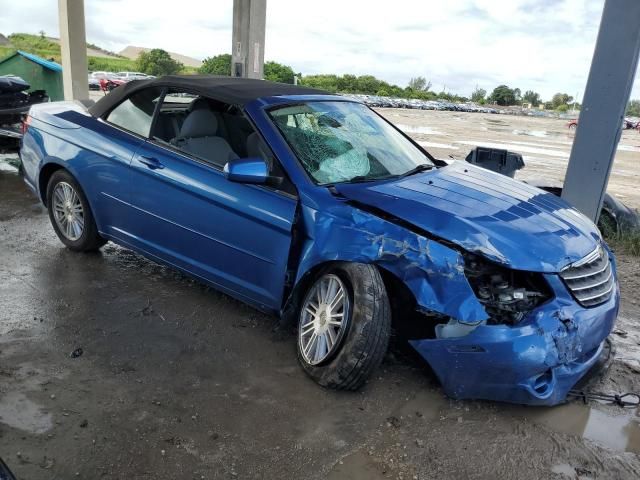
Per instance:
(41,74)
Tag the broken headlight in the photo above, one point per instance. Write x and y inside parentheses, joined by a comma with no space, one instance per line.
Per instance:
(507,295)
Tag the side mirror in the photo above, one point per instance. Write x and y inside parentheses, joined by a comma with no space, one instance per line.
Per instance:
(246,170)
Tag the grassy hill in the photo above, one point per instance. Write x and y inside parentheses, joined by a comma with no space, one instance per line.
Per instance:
(49,48)
(41,46)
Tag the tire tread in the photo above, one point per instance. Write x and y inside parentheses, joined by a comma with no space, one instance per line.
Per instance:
(351,369)
(90,239)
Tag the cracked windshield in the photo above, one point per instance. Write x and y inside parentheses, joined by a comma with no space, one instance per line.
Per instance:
(347,142)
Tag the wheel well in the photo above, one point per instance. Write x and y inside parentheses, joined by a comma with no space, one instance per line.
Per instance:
(406,320)
(289,312)
(45,176)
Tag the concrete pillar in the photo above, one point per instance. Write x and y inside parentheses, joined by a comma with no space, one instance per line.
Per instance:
(73,46)
(247,52)
(613,69)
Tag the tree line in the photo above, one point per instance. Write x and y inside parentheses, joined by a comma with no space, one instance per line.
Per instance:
(504,95)
(159,62)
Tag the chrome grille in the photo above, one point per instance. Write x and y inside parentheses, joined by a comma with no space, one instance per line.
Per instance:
(590,280)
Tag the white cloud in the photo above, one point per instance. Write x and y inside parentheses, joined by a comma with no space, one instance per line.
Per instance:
(543,45)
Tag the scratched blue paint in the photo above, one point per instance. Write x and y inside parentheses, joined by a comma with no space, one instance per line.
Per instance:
(238,238)
(433,272)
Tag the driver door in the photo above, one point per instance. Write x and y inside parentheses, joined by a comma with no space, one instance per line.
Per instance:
(185,212)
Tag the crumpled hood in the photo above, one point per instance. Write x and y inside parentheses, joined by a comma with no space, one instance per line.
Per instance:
(505,220)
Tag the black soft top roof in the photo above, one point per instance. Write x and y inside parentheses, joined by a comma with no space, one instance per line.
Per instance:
(231,90)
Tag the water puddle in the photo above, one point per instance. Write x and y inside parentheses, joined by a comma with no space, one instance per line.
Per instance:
(17,411)
(531,133)
(418,129)
(629,148)
(547,143)
(9,162)
(438,145)
(619,431)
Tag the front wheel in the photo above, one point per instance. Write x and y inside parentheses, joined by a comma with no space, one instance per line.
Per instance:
(70,213)
(344,326)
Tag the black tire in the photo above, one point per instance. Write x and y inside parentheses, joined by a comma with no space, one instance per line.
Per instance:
(90,239)
(366,338)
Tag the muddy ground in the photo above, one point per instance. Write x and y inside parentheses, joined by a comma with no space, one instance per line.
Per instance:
(176,380)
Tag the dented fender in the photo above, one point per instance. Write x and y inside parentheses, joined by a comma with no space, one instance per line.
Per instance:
(433,272)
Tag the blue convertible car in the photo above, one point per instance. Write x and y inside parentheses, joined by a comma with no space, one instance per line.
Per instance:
(313,207)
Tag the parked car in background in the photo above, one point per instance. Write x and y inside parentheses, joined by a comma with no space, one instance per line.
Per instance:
(627,124)
(313,207)
(101,74)
(104,81)
(128,76)
(94,83)
(108,83)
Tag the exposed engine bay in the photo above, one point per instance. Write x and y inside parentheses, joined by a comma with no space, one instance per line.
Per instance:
(507,295)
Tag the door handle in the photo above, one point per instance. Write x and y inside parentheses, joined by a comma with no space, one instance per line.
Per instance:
(151,162)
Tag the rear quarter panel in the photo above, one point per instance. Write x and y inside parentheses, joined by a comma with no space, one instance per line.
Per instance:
(95,153)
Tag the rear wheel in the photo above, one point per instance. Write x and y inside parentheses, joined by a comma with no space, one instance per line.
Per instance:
(344,326)
(70,213)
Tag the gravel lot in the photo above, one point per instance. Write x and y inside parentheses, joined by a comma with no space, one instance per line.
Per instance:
(178,381)
(545,143)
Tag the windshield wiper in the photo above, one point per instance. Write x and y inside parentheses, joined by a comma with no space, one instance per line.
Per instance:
(366,178)
(423,167)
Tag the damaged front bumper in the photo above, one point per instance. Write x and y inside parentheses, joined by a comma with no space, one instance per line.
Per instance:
(535,362)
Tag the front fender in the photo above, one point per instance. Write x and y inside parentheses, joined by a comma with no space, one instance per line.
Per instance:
(434,273)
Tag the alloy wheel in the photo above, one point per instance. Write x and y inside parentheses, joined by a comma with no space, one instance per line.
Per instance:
(67,211)
(324,318)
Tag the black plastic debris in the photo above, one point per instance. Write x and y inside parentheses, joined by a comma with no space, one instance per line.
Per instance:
(496,159)
(76,353)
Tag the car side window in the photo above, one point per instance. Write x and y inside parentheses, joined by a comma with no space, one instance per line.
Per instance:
(135,114)
(213,132)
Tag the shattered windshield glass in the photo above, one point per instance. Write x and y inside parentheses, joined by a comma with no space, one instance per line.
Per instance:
(346,142)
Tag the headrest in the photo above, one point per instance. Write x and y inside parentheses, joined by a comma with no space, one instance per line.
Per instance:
(199,123)
(199,104)
(254,145)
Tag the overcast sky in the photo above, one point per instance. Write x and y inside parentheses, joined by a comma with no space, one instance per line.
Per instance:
(543,45)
